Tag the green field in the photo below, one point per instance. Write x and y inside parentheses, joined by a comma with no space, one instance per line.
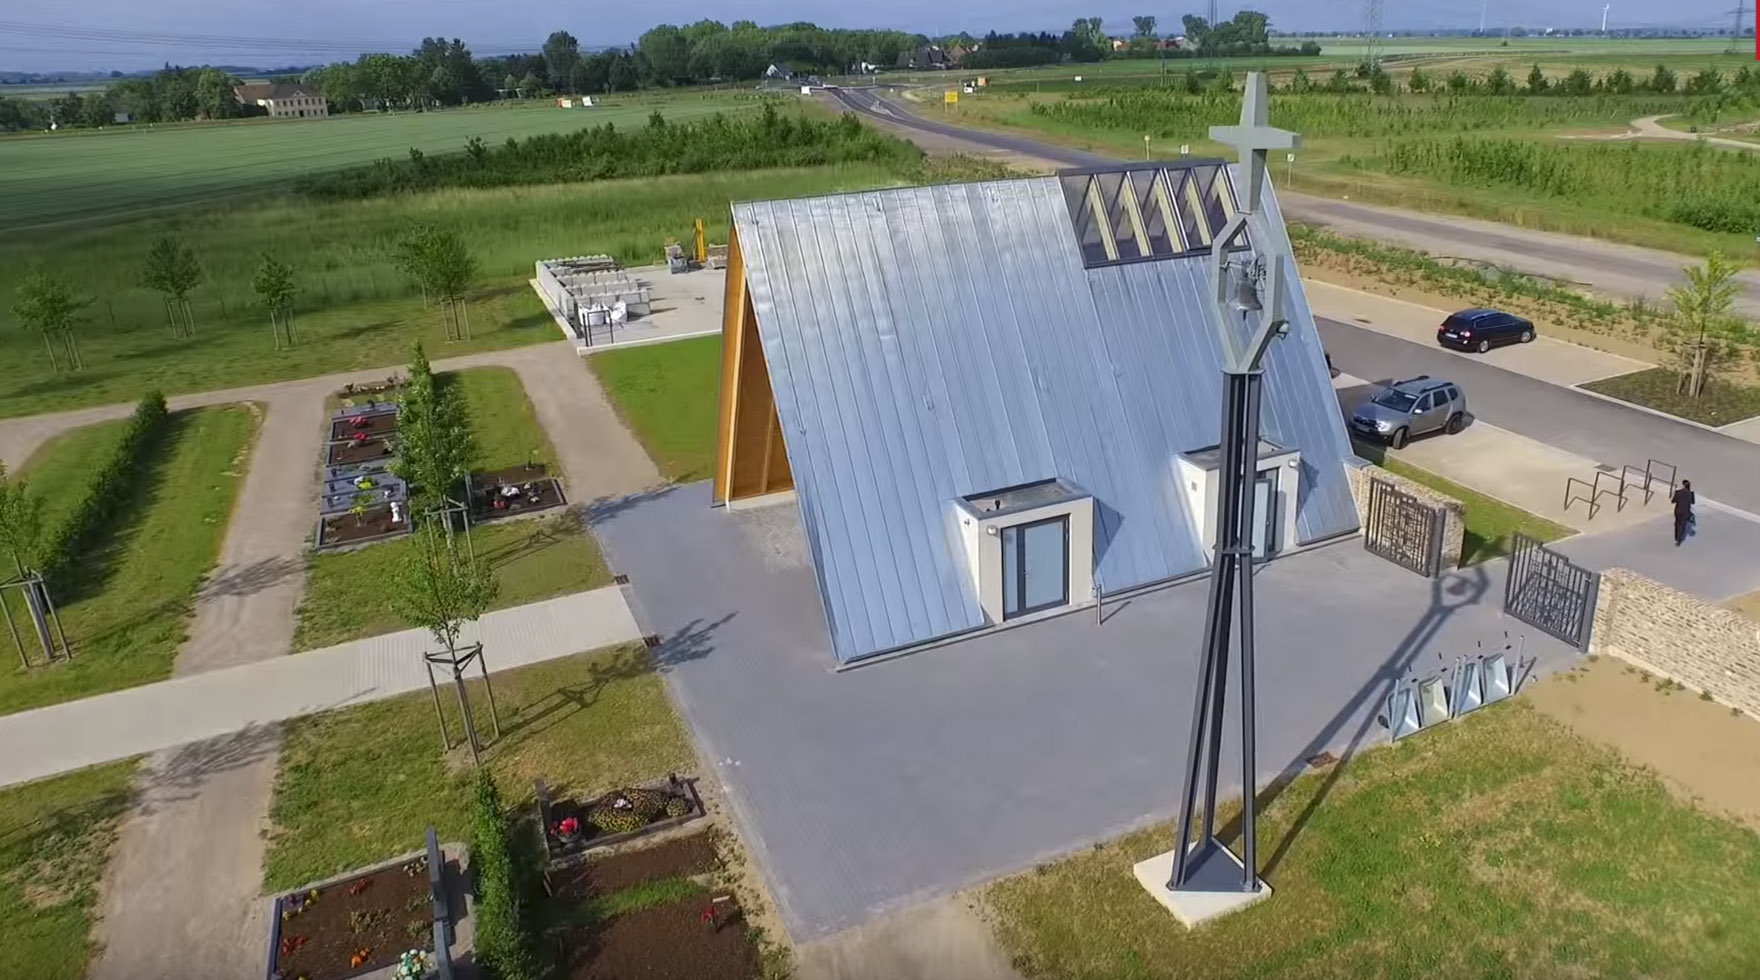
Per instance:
(45,178)
(354,309)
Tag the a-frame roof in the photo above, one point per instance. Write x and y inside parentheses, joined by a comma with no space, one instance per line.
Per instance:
(926,344)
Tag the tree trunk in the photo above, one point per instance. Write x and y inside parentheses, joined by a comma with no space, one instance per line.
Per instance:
(50,346)
(465,309)
(1696,381)
(72,344)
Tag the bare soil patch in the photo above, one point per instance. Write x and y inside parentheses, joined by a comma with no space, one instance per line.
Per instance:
(1706,753)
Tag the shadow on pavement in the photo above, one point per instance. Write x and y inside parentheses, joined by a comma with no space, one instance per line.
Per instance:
(1449,593)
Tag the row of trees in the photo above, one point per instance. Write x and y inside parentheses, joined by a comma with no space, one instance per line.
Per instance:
(1581,82)
(171,95)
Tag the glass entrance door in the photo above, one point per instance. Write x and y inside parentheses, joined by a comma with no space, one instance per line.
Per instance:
(1035,567)
(1265,514)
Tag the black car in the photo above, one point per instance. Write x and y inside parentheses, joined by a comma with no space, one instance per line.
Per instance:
(1481,330)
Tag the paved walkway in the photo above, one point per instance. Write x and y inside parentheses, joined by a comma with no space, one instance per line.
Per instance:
(251,696)
(1719,563)
(866,792)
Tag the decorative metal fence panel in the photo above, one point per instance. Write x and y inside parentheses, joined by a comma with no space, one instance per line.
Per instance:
(1403,529)
(1550,592)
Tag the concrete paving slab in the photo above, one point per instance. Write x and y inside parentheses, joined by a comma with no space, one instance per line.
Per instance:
(1554,361)
(247,698)
(1747,431)
(872,790)
(1720,562)
(939,940)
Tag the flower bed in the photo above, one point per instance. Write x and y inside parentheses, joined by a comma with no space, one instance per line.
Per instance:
(354,926)
(526,498)
(572,828)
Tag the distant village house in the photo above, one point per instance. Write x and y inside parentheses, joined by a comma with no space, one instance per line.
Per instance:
(283,99)
(932,57)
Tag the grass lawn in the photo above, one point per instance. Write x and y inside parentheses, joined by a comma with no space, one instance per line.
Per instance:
(1503,845)
(125,615)
(667,393)
(1489,521)
(84,171)
(354,310)
(362,784)
(505,431)
(55,837)
(348,597)
(1722,403)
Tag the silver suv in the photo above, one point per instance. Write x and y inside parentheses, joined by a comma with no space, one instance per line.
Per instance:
(1410,408)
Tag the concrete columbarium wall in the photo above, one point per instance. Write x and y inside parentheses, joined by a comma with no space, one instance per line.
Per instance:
(1679,636)
(1453,525)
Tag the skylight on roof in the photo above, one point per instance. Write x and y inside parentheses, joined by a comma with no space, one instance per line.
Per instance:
(1147,213)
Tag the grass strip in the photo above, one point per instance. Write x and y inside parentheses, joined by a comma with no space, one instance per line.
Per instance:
(667,394)
(127,601)
(1721,403)
(55,838)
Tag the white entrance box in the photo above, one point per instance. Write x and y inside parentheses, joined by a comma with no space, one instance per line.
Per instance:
(1198,475)
(988,521)
(1193,907)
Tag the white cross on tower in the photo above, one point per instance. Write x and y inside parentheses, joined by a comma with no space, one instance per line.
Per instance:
(1255,137)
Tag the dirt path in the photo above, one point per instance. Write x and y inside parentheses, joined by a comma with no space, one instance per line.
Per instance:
(1707,754)
(1651,128)
(183,894)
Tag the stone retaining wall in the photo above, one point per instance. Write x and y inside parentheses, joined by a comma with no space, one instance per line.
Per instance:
(1679,636)
(1361,473)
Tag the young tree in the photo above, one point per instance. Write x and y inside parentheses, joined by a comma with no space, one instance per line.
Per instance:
(1662,81)
(1702,308)
(1537,83)
(439,260)
(440,587)
(172,269)
(434,448)
(21,522)
(47,304)
(1418,82)
(275,290)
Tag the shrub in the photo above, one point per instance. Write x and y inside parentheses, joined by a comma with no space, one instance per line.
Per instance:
(716,144)
(502,946)
(108,490)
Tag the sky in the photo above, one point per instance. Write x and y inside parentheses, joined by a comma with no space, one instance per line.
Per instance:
(55,35)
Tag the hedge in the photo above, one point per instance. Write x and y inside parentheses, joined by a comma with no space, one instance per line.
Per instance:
(502,947)
(108,490)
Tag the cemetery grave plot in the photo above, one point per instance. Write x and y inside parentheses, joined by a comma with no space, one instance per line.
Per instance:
(368,489)
(371,524)
(371,422)
(353,926)
(526,489)
(652,913)
(363,450)
(573,828)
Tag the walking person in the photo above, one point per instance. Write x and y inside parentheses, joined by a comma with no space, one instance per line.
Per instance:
(1683,500)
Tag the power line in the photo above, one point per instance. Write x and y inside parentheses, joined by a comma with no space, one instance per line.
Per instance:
(1372,32)
(1735,34)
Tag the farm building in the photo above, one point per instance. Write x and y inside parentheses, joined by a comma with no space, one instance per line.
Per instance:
(284,100)
(992,400)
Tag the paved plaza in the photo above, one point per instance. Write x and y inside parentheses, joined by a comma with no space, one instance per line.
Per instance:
(873,789)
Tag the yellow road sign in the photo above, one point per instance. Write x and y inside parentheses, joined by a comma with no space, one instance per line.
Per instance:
(952,97)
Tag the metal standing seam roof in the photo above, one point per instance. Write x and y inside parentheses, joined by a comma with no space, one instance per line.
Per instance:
(926,344)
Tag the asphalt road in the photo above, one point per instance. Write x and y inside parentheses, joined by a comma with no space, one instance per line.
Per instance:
(1614,270)
(1721,467)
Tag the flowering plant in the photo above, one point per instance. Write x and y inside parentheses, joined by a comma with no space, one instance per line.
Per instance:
(568,827)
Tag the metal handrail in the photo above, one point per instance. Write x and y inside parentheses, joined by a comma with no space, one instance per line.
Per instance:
(1653,465)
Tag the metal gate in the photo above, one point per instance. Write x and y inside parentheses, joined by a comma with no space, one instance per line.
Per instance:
(1403,529)
(1550,592)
